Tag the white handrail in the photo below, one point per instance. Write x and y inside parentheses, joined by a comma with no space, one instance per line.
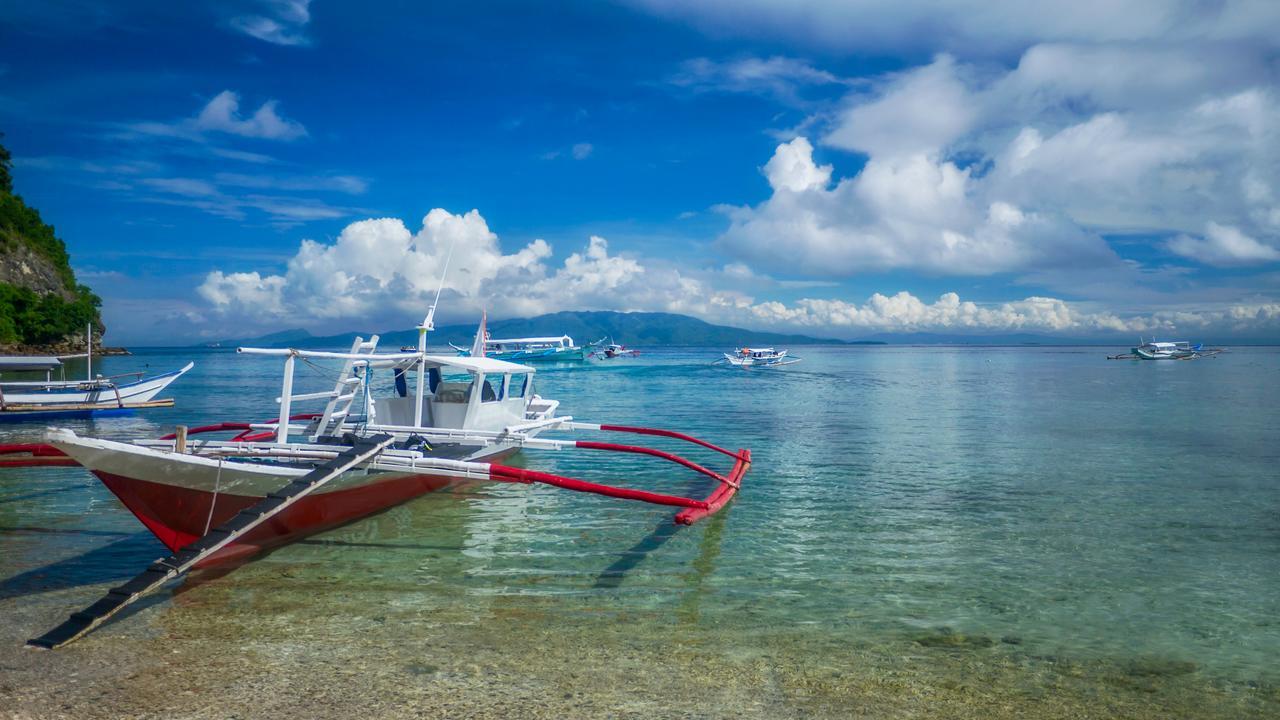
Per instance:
(324,354)
(537,424)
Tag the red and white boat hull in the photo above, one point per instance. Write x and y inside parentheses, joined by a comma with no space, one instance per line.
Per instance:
(179,497)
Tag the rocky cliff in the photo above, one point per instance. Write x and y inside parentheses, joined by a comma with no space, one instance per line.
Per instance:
(42,307)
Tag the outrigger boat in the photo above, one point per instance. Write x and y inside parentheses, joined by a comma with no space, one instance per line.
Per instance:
(1178,350)
(92,397)
(213,500)
(535,349)
(757,357)
(614,350)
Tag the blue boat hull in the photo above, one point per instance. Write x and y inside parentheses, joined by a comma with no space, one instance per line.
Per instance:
(78,414)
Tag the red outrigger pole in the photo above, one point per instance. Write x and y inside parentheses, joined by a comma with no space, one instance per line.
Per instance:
(693,510)
(35,455)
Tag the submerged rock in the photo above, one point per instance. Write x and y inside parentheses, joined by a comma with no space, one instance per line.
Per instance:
(945,637)
(1159,667)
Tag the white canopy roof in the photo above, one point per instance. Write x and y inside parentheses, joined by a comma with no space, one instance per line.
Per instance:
(28,362)
(406,359)
(486,365)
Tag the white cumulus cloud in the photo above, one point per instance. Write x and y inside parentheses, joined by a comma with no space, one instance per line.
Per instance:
(1224,246)
(222,114)
(283,22)
(973,170)
(901,212)
(920,111)
(378,269)
(792,168)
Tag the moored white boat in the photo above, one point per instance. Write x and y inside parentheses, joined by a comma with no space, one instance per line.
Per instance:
(448,420)
(106,392)
(93,396)
(213,500)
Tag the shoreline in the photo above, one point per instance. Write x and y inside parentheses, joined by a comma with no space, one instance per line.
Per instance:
(59,351)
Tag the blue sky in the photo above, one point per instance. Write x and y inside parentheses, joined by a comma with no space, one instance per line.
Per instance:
(841,169)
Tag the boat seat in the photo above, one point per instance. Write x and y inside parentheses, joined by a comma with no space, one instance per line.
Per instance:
(460,392)
(452,392)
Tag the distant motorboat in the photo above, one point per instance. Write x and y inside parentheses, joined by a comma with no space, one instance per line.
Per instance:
(533,349)
(758,357)
(614,350)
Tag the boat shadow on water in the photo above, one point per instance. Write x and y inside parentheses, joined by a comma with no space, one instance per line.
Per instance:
(117,560)
(613,576)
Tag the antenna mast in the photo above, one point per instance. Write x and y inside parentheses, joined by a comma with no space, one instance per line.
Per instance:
(428,323)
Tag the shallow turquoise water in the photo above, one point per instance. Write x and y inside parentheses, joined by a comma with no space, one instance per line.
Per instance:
(1046,499)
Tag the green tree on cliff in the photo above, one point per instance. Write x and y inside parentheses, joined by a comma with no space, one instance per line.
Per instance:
(28,317)
(6,181)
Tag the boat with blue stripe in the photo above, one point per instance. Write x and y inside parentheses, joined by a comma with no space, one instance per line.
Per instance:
(533,349)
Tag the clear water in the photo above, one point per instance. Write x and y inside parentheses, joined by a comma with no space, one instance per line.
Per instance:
(1015,530)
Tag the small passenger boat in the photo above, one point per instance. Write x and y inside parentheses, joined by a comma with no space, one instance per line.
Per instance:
(614,350)
(1177,350)
(758,357)
(532,349)
(1165,350)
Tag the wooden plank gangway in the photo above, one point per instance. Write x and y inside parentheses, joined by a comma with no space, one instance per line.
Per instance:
(162,571)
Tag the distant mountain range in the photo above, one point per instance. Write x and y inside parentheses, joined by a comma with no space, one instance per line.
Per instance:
(635,329)
(924,338)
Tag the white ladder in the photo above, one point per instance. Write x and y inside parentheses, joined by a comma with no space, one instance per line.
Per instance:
(349,386)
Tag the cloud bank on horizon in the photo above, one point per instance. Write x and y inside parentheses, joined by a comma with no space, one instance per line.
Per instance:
(1075,169)
(377,270)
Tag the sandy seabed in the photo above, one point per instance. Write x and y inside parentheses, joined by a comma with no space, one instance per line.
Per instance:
(243,650)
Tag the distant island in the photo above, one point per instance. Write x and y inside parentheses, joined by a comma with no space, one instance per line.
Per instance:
(43,309)
(639,329)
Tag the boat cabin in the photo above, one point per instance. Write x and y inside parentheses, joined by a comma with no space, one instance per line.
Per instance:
(425,391)
(461,393)
(10,364)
